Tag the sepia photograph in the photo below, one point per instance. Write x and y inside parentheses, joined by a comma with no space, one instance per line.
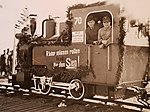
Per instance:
(74,56)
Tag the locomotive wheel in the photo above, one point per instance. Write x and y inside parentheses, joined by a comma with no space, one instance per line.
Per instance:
(44,85)
(76,89)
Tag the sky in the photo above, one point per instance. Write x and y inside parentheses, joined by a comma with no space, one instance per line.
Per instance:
(10,12)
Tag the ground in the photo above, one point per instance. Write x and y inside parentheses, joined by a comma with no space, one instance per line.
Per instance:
(32,103)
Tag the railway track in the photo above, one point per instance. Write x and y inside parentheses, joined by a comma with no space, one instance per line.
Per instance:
(19,101)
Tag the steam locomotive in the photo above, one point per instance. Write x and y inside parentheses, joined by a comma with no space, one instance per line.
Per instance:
(53,63)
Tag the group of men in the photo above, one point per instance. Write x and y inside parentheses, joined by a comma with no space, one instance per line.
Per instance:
(99,33)
(6,61)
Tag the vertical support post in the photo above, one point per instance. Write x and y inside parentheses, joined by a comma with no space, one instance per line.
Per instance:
(78,61)
(108,57)
(89,56)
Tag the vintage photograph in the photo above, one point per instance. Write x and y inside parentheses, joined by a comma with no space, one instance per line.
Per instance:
(75,56)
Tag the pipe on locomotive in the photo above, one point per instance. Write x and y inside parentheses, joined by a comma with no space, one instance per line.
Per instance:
(43,27)
(50,27)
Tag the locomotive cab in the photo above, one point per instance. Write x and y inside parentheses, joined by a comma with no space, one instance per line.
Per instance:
(102,61)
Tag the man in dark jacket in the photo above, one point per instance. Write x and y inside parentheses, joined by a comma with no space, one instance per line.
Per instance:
(92,30)
(3,64)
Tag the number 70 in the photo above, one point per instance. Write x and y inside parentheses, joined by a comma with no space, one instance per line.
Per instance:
(78,20)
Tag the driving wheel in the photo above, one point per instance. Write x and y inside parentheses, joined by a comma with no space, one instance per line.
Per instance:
(76,89)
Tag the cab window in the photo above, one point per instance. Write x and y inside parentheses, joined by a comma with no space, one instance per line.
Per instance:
(99,28)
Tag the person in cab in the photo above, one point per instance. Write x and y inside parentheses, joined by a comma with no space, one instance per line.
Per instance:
(92,30)
(104,34)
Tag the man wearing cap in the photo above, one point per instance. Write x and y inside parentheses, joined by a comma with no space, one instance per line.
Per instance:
(92,30)
(104,34)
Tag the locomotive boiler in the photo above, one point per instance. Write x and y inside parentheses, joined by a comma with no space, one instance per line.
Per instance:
(67,62)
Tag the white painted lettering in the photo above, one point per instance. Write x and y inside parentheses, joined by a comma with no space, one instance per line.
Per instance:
(48,53)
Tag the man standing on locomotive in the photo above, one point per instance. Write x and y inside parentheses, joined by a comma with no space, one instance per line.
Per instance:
(92,30)
(104,34)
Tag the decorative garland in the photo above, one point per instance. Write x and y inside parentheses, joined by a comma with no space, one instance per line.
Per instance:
(69,25)
(121,48)
(60,74)
(79,6)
